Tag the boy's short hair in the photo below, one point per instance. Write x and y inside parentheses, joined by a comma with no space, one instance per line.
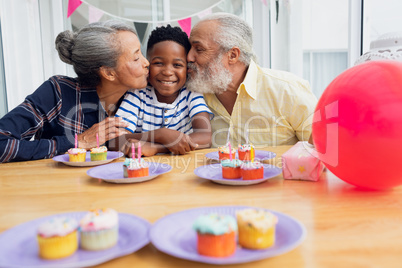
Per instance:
(168,33)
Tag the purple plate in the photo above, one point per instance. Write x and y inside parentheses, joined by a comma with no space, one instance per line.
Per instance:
(114,172)
(173,234)
(259,155)
(64,158)
(213,172)
(19,248)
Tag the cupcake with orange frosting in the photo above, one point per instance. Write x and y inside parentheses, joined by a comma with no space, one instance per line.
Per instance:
(216,235)
(77,154)
(57,238)
(252,170)
(99,229)
(231,169)
(256,228)
(99,153)
(225,154)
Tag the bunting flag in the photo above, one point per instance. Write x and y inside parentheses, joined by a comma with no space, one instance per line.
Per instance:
(94,14)
(264,2)
(141,29)
(204,13)
(185,25)
(72,6)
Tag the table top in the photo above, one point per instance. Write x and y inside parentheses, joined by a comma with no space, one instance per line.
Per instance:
(345,225)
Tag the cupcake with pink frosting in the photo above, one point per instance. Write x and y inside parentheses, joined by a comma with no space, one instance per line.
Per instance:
(99,229)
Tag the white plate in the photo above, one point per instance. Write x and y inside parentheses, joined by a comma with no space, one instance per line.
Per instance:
(111,155)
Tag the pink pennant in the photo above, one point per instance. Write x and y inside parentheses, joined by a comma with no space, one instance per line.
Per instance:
(264,2)
(185,25)
(72,6)
(94,14)
(205,13)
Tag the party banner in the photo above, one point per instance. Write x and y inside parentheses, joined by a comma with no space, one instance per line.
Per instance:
(185,25)
(94,14)
(141,29)
(204,13)
(72,6)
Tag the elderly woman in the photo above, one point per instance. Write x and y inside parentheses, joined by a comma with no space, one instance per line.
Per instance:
(107,59)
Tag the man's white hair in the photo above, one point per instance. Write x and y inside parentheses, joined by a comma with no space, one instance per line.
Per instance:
(232,32)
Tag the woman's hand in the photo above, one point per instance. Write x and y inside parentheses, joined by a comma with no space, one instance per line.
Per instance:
(110,128)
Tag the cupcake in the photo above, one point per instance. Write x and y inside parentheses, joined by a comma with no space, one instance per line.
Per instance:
(252,170)
(231,169)
(137,168)
(77,154)
(99,229)
(256,228)
(216,235)
(126,164)
(99,153)
(244,151)
(224,153)
(57,238)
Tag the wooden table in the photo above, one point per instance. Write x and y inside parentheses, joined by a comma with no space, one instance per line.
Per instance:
(345,226)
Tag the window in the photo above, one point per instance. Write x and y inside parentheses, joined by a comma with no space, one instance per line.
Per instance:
(380,17)
(310,39)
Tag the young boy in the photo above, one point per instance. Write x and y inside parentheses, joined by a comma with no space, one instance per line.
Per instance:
(165,112)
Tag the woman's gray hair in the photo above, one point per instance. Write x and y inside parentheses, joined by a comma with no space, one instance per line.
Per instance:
(93,46)
(232,32)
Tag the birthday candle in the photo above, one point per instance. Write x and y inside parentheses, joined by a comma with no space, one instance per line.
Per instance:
(97,140)
(227,138)
(76,140)
(132,151)
(252,153)
(139,151)
(230,151)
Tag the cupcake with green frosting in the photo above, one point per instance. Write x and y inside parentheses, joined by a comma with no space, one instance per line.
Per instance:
(216,235)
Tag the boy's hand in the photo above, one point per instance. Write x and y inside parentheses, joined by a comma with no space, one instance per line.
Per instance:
(177,142)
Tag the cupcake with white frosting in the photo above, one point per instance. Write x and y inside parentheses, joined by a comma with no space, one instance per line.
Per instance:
(99,229)
(256,228)
(252,170)
(99,153)
(77,154)
(57,238)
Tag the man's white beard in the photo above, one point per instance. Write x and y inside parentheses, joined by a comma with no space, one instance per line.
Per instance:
(215,78)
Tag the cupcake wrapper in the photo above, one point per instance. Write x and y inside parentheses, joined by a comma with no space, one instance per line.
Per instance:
(57,247)
(98,240)
(98,156)
(251,238)
(77,157)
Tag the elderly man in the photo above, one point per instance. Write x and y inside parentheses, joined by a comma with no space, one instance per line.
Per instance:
(263,106)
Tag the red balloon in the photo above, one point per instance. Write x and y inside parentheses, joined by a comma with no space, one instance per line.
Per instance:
(357,125)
